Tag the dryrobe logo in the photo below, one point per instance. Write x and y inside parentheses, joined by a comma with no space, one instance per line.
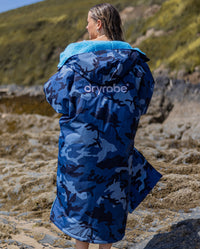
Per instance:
(106,89)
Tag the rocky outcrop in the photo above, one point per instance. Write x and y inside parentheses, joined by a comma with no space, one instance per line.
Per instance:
(183,235)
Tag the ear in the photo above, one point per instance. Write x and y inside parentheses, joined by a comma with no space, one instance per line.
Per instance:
(99,24)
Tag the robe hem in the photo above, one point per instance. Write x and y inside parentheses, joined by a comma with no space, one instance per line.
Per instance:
(83,239)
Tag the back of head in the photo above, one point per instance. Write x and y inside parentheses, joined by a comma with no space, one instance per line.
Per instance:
(110,19)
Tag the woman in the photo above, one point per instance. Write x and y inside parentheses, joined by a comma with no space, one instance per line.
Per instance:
(102,87)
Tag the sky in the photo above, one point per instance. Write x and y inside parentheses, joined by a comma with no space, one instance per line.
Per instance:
(6,5)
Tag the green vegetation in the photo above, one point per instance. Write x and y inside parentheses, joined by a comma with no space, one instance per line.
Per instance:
(32,37)
(179,45)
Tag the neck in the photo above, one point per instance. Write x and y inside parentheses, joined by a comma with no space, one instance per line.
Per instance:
(102,38)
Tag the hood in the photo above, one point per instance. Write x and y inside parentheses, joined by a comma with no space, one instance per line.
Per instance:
(106,67)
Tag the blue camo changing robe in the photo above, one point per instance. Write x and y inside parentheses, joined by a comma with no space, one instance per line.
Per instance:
(101,89)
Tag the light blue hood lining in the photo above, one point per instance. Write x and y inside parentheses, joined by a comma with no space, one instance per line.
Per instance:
(92,46)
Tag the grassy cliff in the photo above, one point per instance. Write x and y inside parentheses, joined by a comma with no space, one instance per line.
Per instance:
(32,37)
(178,46)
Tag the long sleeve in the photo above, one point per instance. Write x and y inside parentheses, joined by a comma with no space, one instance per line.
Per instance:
(146,88)
(57,90)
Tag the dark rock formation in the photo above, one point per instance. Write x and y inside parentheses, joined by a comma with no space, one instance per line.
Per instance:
(183,235)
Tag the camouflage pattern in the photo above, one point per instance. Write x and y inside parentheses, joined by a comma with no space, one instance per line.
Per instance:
(100,176)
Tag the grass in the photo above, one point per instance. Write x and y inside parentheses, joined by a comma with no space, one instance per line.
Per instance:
(32,37)
(178,47)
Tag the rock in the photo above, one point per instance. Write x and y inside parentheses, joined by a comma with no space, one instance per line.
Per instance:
(183,235)
(167,94)
(177,90)
(150,32)
(14,243)
(55,241)
(123,244)
(137,12)
(16,90)
(183,123)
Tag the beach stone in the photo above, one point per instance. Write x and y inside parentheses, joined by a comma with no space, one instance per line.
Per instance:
(183,235)
(55,241)
(20,245)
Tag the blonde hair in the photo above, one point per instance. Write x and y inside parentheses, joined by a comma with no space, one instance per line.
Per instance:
(110,18)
